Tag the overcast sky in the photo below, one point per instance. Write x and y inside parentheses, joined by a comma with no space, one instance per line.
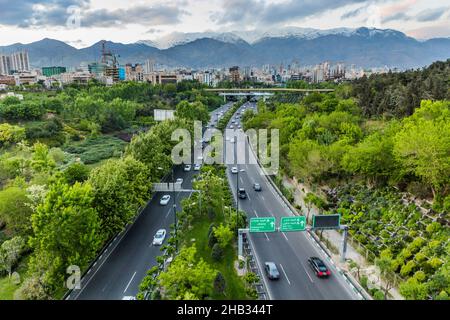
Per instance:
(84,22)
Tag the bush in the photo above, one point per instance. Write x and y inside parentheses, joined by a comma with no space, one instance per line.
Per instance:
(364,280)
(217,252)
(212,240)
(76,172)
(219,283)
(378,295)
(32,289)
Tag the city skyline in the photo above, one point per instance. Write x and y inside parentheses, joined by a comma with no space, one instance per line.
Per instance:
(81,23)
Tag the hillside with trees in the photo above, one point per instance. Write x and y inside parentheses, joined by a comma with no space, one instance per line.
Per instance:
(74,171)
(385,168)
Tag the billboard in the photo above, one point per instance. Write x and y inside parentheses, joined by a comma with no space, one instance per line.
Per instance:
(328,221)
(161,115)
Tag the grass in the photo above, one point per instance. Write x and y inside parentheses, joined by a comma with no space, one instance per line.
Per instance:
(7,286)
(235,288)
(94,150)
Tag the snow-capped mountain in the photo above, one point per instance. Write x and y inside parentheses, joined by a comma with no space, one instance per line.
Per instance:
(254,36)
(362,46)
(180,38)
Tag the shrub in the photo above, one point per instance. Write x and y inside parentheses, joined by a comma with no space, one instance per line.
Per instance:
(378,295)
(76,172)
(219,283)
(217,252)
(212,240)
(224,235)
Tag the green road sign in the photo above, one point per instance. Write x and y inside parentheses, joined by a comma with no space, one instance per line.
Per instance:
(262,224)
(293,224)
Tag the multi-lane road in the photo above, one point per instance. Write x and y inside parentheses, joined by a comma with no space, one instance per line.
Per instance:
(119,270)
(290,251)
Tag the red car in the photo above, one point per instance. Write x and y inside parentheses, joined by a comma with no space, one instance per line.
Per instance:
(319,268)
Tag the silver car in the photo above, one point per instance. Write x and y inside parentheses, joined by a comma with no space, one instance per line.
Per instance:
(159,237)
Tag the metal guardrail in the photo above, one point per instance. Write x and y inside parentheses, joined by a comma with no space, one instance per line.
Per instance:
(355,284)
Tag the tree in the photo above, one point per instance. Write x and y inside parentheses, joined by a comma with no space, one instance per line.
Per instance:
(224,235)
(423,144)
(412,289)
(15,210)
(10,252)
(76,172)
(386,263)
(32,289)
(120,187)
(212,191)
(66,232)
(41,160)
(192,111)
(10,134)
(187,274)
(372,157)
(219,283)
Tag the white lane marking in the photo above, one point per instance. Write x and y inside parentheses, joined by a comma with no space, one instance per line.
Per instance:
(285,236)
(306,271)
(249,197)
(269,293)
(282,269)
(263,198)
(266,236)
(129,282)
(256,214)
(168,212)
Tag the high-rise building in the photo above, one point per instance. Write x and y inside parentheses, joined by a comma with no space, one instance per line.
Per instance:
(149,66)
(234,74)
(20,61)
(134,72)
(5,65)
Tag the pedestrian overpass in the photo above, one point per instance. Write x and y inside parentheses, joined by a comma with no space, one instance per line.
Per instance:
(261,92)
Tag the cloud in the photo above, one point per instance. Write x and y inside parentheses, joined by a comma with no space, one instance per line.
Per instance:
(145,15)
(55,13)
(28,13)
(259,12)
(396,17)
(431,14)
(353,13)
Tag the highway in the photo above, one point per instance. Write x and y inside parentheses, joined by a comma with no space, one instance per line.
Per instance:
(289,250)
(120,269)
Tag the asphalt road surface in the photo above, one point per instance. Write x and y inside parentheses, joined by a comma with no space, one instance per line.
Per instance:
(120,269)
(288,250)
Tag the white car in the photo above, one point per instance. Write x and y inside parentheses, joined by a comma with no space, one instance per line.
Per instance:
(231,127)
(164,200)
(234,170)
(159,237)
(179,181)
(129,298)
(187,168)
(197,167)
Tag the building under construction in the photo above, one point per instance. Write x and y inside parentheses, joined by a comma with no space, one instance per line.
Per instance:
(107,68)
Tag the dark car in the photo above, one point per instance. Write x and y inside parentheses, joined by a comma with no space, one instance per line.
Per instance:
(242,194)
(319,268)
(271,271)
(257,187)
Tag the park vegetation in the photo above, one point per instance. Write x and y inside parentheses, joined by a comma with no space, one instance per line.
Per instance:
(378,152)
(76,166)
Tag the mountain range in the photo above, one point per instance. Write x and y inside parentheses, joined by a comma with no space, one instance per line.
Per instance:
(365,47)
